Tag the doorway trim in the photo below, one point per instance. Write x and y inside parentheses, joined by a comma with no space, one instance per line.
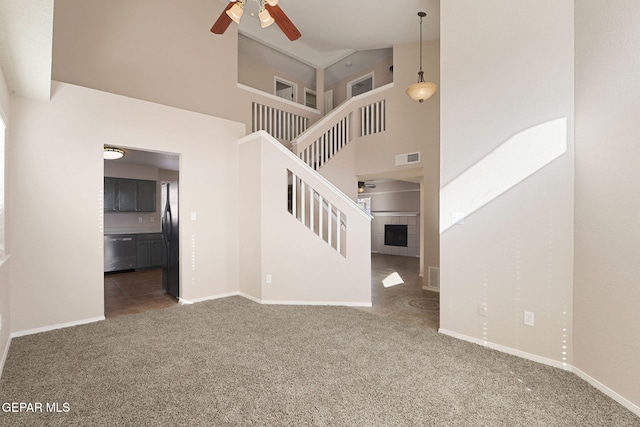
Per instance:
(361,79)
(293,86)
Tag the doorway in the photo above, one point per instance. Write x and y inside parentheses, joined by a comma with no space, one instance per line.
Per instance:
(133,219)
(360,85)
(285,89)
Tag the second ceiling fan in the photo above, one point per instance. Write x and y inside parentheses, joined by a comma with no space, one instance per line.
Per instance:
(269,13)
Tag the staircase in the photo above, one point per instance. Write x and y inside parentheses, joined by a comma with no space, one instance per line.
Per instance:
(309,243)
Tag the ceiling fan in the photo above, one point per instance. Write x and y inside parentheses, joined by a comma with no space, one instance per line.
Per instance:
(269,13)
(362,185)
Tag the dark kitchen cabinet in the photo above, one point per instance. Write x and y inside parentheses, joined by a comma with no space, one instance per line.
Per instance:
(149,250)
(129,195)
(146,193)
(110,194)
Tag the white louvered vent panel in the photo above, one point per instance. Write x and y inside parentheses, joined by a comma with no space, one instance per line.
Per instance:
(407,158)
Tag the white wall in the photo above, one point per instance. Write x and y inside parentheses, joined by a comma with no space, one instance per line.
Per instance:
(5,289)
(507,164)
(315,274)
(606,289)
(55,199)
(158,51)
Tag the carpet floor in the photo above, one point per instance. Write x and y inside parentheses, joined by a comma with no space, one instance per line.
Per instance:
(232,362)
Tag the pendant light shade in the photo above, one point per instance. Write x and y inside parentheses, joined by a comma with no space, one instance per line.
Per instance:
(421,90)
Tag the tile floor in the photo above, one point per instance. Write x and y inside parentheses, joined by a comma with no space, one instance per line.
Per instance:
(408,302)
(134,292)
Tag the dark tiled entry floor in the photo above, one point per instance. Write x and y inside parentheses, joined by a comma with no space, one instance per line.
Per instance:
(134,292)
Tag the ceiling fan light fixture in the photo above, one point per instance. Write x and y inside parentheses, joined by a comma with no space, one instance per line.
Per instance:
(265,18)
(112,153)
(235,13)
(272,2)
(421,90)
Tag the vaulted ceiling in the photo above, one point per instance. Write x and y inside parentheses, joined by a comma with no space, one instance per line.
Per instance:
(331,30)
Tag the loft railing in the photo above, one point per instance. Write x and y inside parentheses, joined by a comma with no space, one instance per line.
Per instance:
(366,113)
(278,123)
(373,118)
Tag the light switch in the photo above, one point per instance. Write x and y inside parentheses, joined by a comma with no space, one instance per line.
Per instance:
(193,216)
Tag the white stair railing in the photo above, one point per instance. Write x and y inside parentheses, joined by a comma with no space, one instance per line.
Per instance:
(373,118)
(327,145)
(278,123)
(316,213)
(323,140)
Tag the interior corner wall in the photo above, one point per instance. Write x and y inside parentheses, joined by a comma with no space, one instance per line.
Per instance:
(250,211)
(506,109)
(55,199)
(606,289)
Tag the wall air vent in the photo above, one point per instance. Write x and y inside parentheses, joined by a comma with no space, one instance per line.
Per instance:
(407,158)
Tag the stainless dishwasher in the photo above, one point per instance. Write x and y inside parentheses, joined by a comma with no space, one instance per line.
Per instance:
(119,252)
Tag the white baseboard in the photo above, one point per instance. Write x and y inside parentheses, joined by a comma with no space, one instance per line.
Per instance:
(427,288)
(508,350)
(326,303)
(546,361)
(54,327)
(211,297)
(606,390)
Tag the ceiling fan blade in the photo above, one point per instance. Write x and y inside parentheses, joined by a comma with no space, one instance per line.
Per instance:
(283,22)
(223,21)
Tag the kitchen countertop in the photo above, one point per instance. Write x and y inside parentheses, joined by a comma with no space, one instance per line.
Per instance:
(115,232)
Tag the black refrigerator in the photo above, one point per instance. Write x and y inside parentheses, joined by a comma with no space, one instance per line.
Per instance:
(170,257)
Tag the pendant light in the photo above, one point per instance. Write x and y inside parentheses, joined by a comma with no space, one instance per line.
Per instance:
(421,90)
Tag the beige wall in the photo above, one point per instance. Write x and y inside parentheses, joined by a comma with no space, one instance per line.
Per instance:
(296,275)
(411,126)
(5,288)
(606,290)
(507,76)
(55,199)
(193,70)
(381,77)
(257,75)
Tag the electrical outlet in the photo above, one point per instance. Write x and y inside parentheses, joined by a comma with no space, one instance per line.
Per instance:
(139,219)
(268,278)
(482,309)
(529,318)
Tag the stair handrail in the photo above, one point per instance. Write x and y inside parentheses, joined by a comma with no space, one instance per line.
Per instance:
(352,104)
(312,173)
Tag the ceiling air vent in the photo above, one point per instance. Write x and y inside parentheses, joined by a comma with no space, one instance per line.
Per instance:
(407,158)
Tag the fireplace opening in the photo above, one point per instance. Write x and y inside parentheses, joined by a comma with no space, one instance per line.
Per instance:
(395,235)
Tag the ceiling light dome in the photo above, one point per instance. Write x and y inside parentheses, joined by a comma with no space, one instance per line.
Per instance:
(112,153)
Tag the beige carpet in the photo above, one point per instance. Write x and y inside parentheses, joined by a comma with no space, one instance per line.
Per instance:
(237,363)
